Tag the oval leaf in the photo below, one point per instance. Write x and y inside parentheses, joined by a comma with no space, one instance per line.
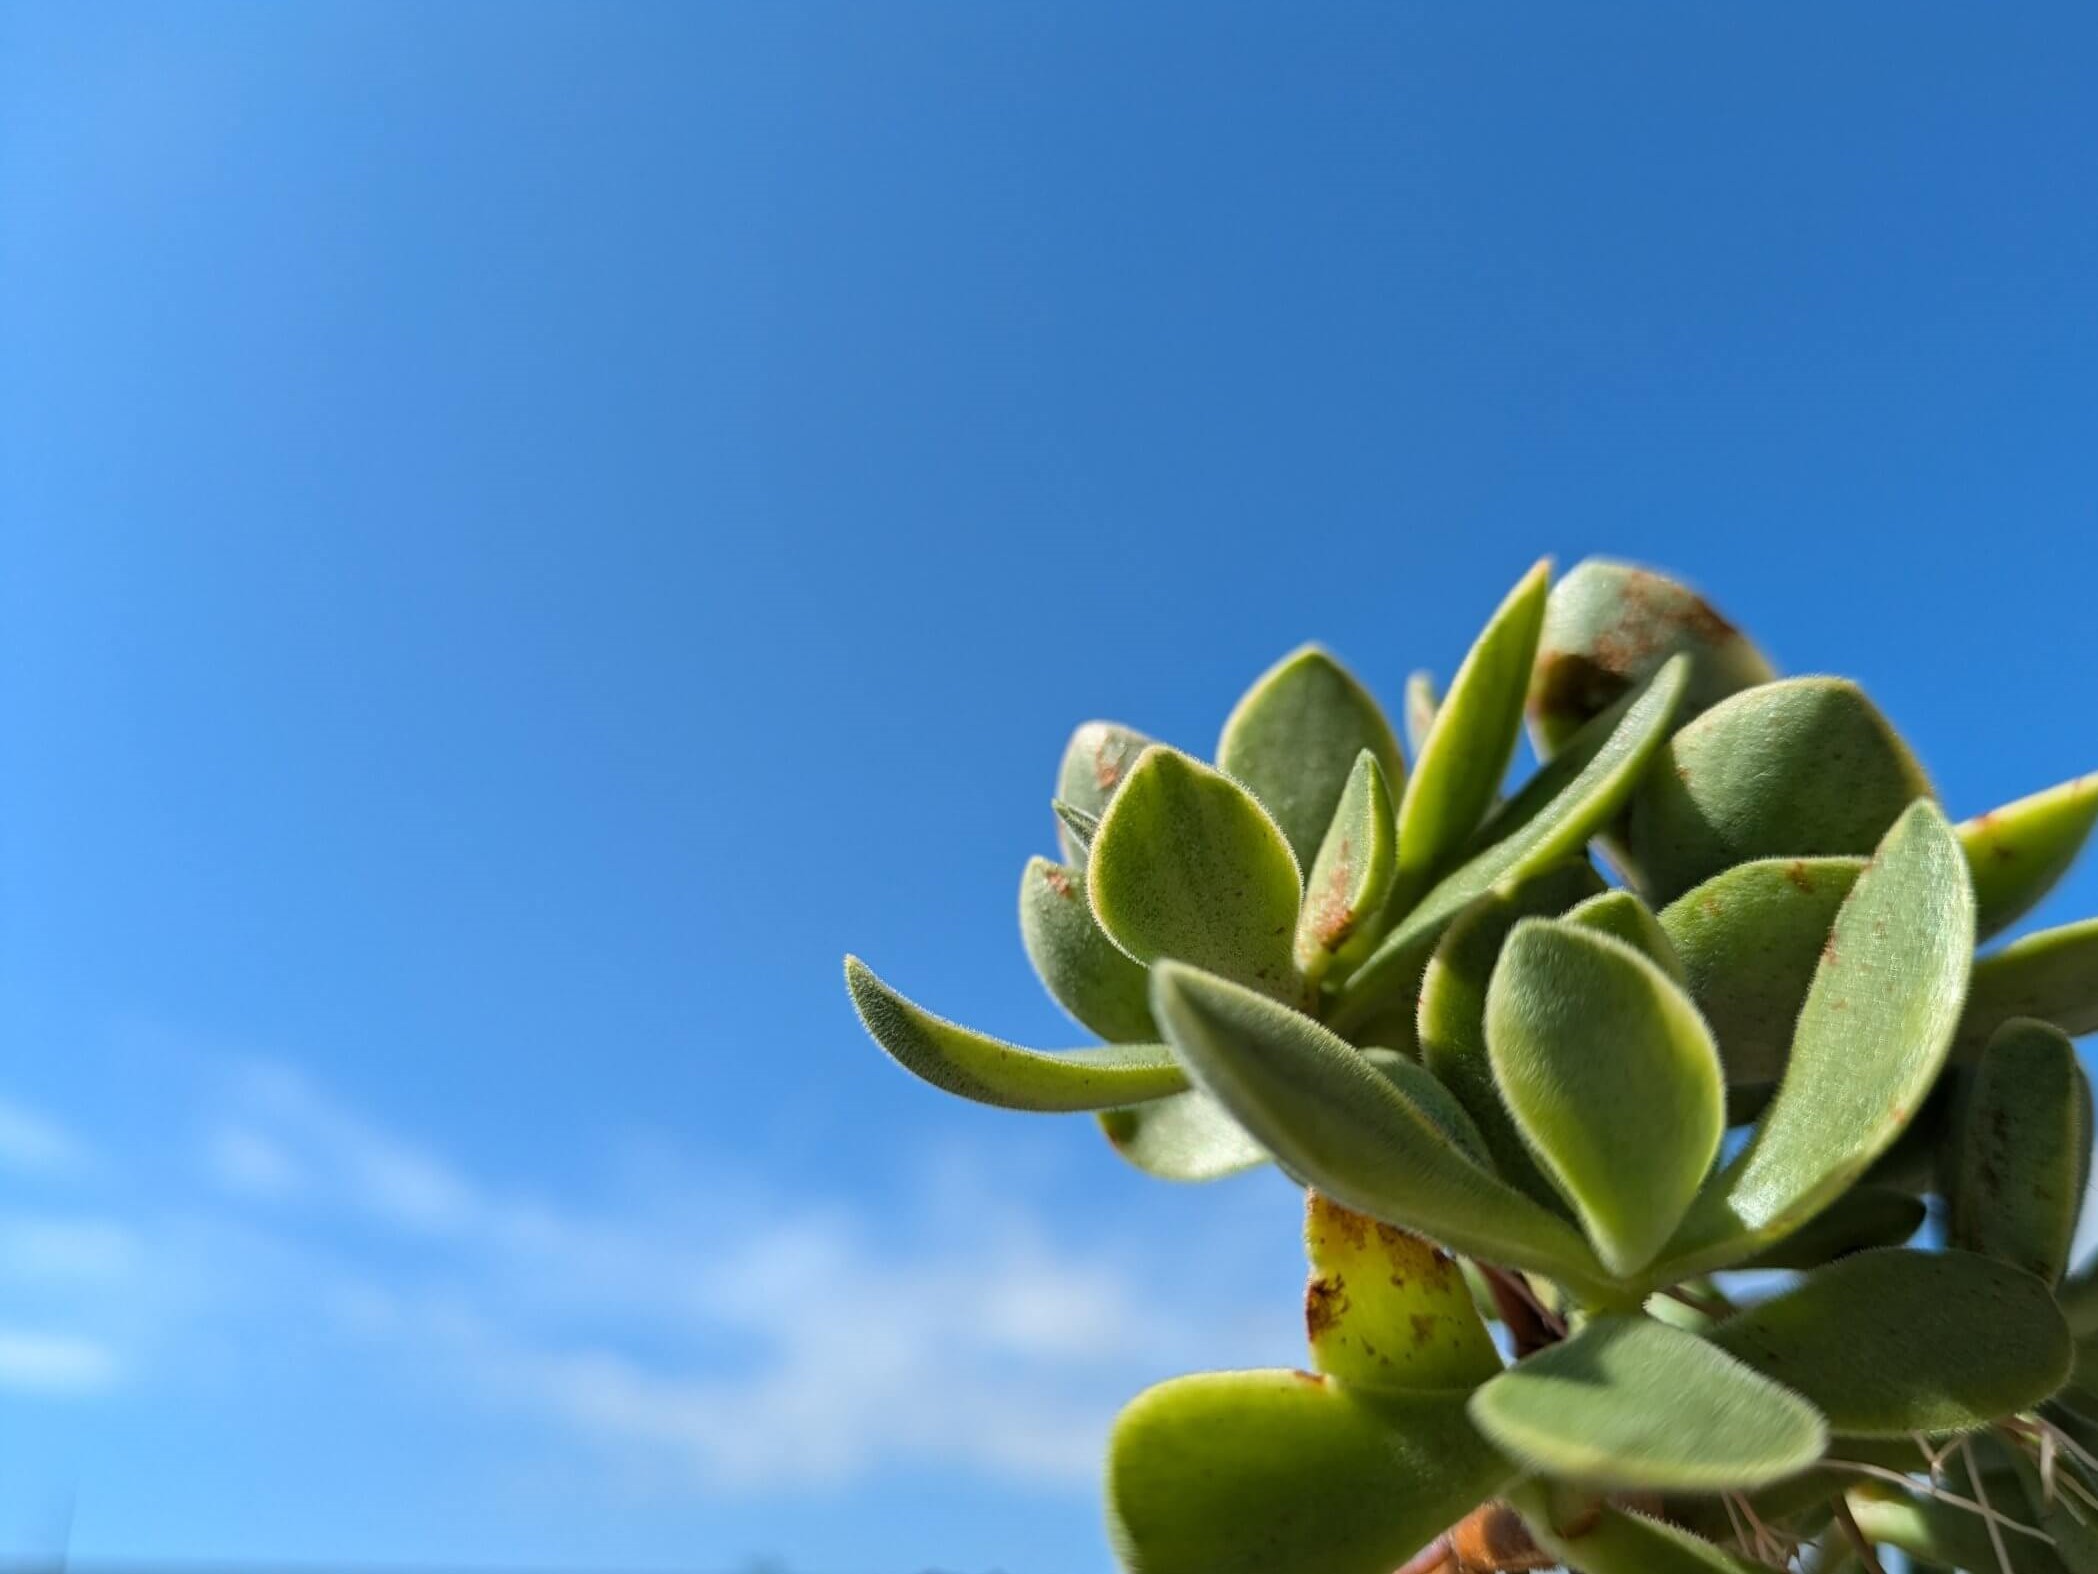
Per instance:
(1892,1342)
(1293,740)
(1385,1309)
(1549,821)
(1622,916)
(2051,975)
(1334,1121)
(1750,939)
(1872,1037)
(1188,866)
(1632,1403)
(991,1071)
(1084,971)
(1802,767)
(2019,851)
(1096,759)
(1187,1137)
(1608,626)
(1351,877)
(1610,1074)
(1458,768)
(1286,1473)
(1452,1025)
(2024,1149)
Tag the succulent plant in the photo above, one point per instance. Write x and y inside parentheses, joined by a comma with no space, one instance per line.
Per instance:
(1714,1216)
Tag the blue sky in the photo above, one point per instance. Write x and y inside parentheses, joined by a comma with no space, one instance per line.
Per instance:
(529,531)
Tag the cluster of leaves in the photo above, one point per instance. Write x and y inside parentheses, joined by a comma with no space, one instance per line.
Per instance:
(1673,1135)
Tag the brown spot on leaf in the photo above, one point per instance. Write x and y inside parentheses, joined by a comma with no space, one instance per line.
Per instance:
(1797,872)
(1423,1327)
(1057,881)
(1325,1302)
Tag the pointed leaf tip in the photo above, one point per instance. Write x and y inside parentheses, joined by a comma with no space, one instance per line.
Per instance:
(1613,1079)
(1188,865)
(986,1070)
(1351,877)
(2019,851)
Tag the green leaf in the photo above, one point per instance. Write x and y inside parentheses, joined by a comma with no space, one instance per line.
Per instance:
(1897,1341)
(2019,851)
(1426,1093)
(1188,865)
(1548,821)
(1608,627)
(1872,1037)
(1385,1309)
(1621,1542)
(1458,769)
(2024,1150)
(1612,1078)
(1750,939)
(991,1071)
(1084,971)
(2051,975)
(1096,759)
(1187,1137)
(1799,768)
(1631,1403)
(1075,826)
(1622,916)
(1334,1121)
(1293,740)
(1932,1533)
(1862,1218)
(1420,707)
(1351,877)
(2072,1524)
(1452,1027)
(1286,1473)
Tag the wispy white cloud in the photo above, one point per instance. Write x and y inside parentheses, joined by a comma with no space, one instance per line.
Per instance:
(50,1363)
(779,1342)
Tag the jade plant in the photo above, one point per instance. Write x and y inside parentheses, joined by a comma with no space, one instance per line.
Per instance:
(1682,1190)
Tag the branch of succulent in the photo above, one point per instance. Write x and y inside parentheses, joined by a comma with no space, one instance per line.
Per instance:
(1613,1180)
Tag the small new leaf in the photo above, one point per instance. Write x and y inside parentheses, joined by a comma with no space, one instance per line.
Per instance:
(1351,877)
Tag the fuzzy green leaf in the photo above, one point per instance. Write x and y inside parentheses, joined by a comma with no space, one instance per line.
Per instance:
(990,1071)
(1622,916)
(2024,1150)
(1612,1079)
(1085,972)
(1351,877)
(1426,1093)
(1750,939)
(1621,1542)
(1096,759)
(1334,1121)
(1608,627)
(1293,740)
(1872,1037)
(1188,865)
(1075,826)
(1452,1023)
(1862,1218)
(1934,1534)
(2051,975)
(1548,821)
(1385,1309)
(1631,1403)
(1799,768)
(1420,706)
(2019,851)
(1286,1473)
(1897,1341)
(1187,1137)
(1458,768)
